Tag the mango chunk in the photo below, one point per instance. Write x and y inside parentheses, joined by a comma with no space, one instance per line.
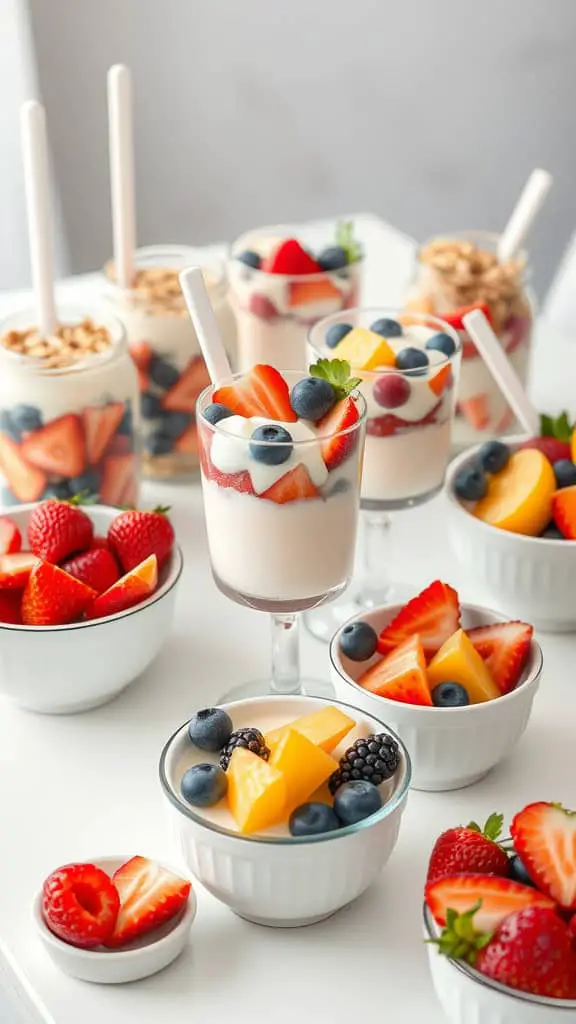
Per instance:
(324,728)
(401,675)
(458,661)
(573,445)
(519,498)
(256,791)
(303,766)
(365,350)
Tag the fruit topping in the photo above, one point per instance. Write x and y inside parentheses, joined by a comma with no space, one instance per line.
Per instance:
(519,499)
(305,292)
(216,412)
(504,647)
(135,586)
(336,428)
(58,529)
(498,897)
(326,728)
(135,535)
(544,836)
(441,381)
(150,895)
(434,615)
(450,695)
(493,456)
(312,398)
(441,342)
(458,661)
(117,486)
(204,785)
(401,675)
(312,819)
(250,258)
(509,956)
(354,801)
(387,328)
(183,394)
(10,607)
(80,905)
(564,511)
(565,473)
(476,410)
(100,425)
(97,568)
(26,482)
(210,729)
(58,447)
(260,392)
(391,390)
(291,259)
(372,759)
(15,569)
(303,766)
(245,739)
(358,641)
(271,444)
(412,360)
(335,334)
(262,307)
(469,849)
(551,447)
(10,536)
(53,598)
(365,350)
(470,483)
(455,318)
(256,791)
(141,353)
(334,257)
(295,485)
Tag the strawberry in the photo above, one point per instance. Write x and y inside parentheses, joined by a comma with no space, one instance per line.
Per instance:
(551,447)
(134,535)
(58,447)
(290,258)
(100,425)
(58,529)
(572,930)
(99,542)
(10,607)
(183,394)
(141,353)
(118,477)
(498,897)
(262,307)
(505,647)
(564,511)
(15,570)
(434,615)
(26,482)
(260,392)
(544,837)
(456,317)
(80,905)
(10,536)
(293,486)
(389,424)
(338,445)
(150,895)
(97,568)
(53,598)
(469,849)
(131,589)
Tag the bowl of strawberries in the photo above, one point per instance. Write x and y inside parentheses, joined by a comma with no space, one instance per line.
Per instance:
(500,919)
(87,597)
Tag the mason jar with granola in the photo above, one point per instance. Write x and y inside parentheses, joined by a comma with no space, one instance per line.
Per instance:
(460,272)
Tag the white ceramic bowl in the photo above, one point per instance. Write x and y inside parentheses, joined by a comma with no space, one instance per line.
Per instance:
(449,747)
(114,966)
(64,669)
(467,997)
(529,578)
(282,881)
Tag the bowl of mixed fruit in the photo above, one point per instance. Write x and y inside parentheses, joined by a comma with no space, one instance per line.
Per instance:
(285,808)
(454,680)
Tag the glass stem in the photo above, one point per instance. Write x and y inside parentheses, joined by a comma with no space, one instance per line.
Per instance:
(375,587)
(285,655)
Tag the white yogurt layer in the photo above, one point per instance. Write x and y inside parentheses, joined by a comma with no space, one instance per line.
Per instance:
(229,455)
(406,465)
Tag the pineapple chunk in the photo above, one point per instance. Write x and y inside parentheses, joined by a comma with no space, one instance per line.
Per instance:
(256,791)
(458,661)
(325,728)
(303,765)
(365,350)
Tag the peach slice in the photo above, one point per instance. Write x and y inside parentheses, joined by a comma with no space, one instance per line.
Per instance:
(324,728)
(458,661)
(256,791)
(365,350)
(519,498)
(303,766)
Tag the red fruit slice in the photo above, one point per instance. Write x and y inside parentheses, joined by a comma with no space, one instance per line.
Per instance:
(15,570)
(390,424)
(544,837)
(564,511)
(129,495)
(401,675)
(96,568)
(80,905)
(10,536)
(26,482)
(187,443)
(10,607)
(150,895)
(260,392)
(119,445)
(58,447)
(118,471)
(306,293)
(262,307)
(100,425)
(53,598)
(476,410)
(240,482)
(338,446)
(141,353)
(183,394)
(441,380)
(290,258)
(551,447)
(132,588)
(457,315)
(293,486)
(505,647)
(434,615)
(500,897)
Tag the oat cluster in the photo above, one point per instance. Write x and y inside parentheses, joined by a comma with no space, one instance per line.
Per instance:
(157,291)
(71,343)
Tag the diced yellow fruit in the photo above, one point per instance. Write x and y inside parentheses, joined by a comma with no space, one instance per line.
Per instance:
(256,791)
(519,498)
(303,765)
(458,661)
(365,350)
(573,445)
(325,728)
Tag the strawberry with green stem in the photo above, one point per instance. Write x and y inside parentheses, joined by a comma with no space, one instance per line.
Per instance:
(469,848)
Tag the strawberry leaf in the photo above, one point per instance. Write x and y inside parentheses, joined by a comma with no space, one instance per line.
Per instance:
(474,826)
(337,373)
(561,428)
(493,827)
(345,240)
(459,939)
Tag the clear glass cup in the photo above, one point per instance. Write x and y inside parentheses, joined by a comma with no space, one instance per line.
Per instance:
(276,556)
(69,422)
(274,311)
(453,272)
(408,447)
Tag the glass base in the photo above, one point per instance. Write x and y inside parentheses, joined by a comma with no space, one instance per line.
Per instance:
(263,688)
(324,622)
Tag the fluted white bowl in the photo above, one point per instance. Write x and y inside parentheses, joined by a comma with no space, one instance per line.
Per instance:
(449,748)
(282,881)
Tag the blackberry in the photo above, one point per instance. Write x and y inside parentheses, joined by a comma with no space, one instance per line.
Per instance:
(372,759)
(249,739)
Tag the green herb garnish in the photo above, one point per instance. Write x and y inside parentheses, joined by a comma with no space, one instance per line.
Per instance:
(560,427)
(345,240)
(337,373)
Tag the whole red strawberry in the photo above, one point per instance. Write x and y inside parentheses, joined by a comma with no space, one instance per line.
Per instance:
(532,951)
(97,568)
(469,849)
(58,529)
(134,536)
(80,905)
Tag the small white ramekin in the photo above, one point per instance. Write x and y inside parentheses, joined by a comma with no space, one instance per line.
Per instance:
(281,881)
(449,748)
(529,578)
(467,997)
(115,966)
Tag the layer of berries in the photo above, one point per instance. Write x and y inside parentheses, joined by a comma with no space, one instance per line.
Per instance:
(168,400)
(68,574)
(516,331)
(92,452)
(495,902)
(424,657)
(85,907)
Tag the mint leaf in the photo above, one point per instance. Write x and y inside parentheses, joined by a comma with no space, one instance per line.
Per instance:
(345,240)
(563,427)
(493,826)
(337,373)
(546,426)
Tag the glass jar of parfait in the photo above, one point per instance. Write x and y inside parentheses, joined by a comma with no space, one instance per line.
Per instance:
(69,415)
(164,347)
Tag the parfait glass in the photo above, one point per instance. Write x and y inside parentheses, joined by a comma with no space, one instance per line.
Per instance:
(410,415)
(281,538)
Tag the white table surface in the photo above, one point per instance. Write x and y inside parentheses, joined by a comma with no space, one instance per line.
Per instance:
(75,787)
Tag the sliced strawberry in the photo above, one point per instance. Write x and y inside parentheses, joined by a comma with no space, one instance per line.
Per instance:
(58,447)
(96,568)
(499,897)
(26,482)
(551,447)
(117,472)
(128,591)
(476,410)
(338,445)
(262,307)
(308,293)
(100,424)
(150,895)
(389,424)
(401,675)
(187,443)
(505,647)
(11,607)
(183,394)
(240,482)
(457,315)
(434,615)
(441,381)
(260,392)
(53,598)
(564,511)
(293,486)
(15,569)
(80,905)
(544,837)
(141,353)
(10,536)
(290,258)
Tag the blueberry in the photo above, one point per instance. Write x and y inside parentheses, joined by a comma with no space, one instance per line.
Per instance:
(163,373)
(441,342)
(565,473)
(333,258)
(414,359)
(277,449)
(335,334)
(174,423)
(150,406)
(518,872)
(61,490)
(358,641)
(88,482)
(312,398)
(126,425)
(470,484)
(210,729)
(204,785)
(387,328)
(26,418)
(8,427)
(216,412)
(312,820)
(356,800)
(493,456)
(250,258)
(552,532)
(159,443)
(450,695)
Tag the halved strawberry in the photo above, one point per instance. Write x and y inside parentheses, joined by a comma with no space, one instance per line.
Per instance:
(10,536)
(100,423)
(131,589)
(434,615)
(58,447)
(499,897)
(150,895)
(544,837)
(260,392)
(11,607)
(505,647)
(293,486)
(476,410)
(456,316)
(141,353)
(53,598)
(308,293)
(551,447)
(241,482)
(15,569)
(290,258)
(183,394)
(118,473)
(26,482)
(401,675)
(564,511)
(80,905)
(338,446)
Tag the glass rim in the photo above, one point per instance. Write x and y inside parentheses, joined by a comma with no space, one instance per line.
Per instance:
(68,315)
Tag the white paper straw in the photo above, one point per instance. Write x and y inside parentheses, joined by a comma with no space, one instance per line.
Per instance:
(39,212)
(524,214)
(502,370)
(205,325)
(122,172)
